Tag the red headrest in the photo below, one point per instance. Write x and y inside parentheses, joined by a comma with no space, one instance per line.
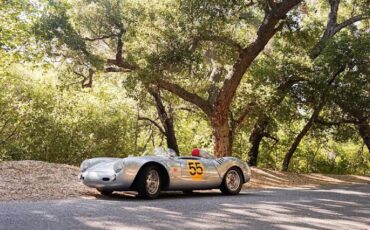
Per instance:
(195,152)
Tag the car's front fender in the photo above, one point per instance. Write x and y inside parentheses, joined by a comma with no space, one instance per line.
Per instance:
(133,165)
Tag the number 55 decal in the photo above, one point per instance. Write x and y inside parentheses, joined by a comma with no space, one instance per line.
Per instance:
(195,170)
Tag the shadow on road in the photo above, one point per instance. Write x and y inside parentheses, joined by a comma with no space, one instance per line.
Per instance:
(330,207)
(131,196)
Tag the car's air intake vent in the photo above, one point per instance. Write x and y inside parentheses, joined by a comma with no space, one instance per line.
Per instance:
(220,161)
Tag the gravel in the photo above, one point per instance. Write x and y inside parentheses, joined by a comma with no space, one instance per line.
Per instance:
(36,180)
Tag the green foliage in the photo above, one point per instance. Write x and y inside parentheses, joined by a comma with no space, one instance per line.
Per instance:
(40,121)
(45,115)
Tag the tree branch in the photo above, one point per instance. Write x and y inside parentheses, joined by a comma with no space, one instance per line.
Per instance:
(119,54)
(265,32)
(154,123)
(122,64)
(349,22)
(268,135)
(186,95)
(86,81)
(190,110)
(334,5)
(100,38)
(332,27)
(282,91)
(119,60)
(79,74)
(247,110)
(112,69)
(331,80)
(14,132)
(214,78)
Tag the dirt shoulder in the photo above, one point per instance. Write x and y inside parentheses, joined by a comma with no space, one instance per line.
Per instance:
(265,178)
(36,180)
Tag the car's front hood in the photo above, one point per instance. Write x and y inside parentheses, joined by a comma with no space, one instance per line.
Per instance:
(104,166)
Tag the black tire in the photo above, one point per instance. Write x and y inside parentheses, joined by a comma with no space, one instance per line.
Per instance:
(146,190)
(234,188)
(105,192)
(188,192)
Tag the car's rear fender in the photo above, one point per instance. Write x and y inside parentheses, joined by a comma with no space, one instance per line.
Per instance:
(226,163)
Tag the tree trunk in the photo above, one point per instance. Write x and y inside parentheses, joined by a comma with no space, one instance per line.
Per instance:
(299,137)
(222,134)
(261,124)
(311,121)
(255,140)
(166,120)
(171,135)
(222,130)
(364,130)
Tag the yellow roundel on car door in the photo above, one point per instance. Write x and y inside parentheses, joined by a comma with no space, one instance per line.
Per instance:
(195,169)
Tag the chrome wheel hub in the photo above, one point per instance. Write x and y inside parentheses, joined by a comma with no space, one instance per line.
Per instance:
(152,182)
(232,180)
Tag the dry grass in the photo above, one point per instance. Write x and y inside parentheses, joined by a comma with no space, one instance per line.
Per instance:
(35,180)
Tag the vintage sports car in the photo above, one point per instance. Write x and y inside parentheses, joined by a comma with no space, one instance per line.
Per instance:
(163,170)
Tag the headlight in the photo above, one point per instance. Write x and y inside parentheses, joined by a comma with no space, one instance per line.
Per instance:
(84,165)
(118,165)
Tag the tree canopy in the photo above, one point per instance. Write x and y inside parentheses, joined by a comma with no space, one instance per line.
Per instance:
(283,84)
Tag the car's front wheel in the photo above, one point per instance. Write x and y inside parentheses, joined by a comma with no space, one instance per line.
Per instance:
(149,182)
(232,182)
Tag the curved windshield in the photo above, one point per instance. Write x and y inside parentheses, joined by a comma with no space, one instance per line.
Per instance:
(205,154)
(160,151)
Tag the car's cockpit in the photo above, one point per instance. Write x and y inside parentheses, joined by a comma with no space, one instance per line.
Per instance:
(196,153)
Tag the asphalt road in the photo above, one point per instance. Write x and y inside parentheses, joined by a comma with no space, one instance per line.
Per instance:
(335,207)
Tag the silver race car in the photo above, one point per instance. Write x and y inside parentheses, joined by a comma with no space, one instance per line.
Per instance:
(163,170)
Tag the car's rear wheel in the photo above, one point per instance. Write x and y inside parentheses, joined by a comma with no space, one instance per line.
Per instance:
(149,182)
(105,192)
(232,182)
